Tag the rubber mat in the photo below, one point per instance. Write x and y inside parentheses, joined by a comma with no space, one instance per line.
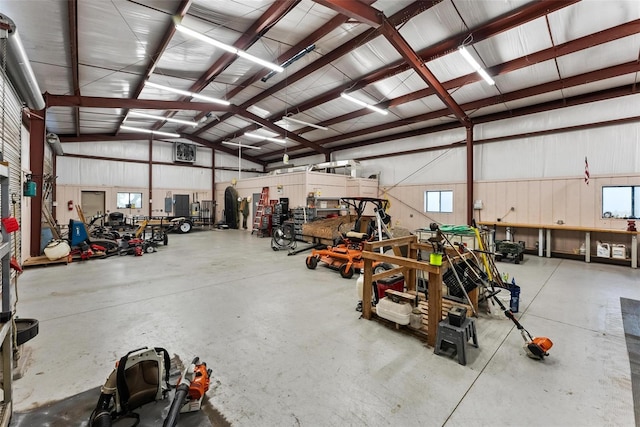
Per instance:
(631,321)
(75,411)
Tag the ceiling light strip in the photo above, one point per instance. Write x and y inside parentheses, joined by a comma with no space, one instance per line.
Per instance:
(228,48)
(267,138)
(363,104)
(187,93)
(302,122)
(241,145)
(168,119)
(476,66)
(153,132)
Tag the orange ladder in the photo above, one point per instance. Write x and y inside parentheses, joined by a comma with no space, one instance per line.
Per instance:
(264,200)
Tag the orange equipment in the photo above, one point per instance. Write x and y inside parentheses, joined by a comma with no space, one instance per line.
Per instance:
(346,255)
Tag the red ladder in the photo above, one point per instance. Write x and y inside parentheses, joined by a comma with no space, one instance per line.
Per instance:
(264,200)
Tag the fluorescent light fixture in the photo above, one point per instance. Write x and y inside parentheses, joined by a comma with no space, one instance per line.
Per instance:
(187,93)
(168,119)
(241,145)
(363,104)
(226,47)
(471,60)
(267,138)
(291,119)
(153,132)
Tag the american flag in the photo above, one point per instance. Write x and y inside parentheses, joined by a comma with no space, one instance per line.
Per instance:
(586,171)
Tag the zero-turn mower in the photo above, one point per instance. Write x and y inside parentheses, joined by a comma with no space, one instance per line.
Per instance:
(346,253)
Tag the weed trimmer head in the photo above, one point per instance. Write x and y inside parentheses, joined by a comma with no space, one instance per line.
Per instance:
(536,348)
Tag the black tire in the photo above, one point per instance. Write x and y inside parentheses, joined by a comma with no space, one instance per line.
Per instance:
(26,330)
(312,262)
(498,257)
(383,266)
(346,271)
(165,239)
(517,261)
(150,249)
(185,227)
(521,256)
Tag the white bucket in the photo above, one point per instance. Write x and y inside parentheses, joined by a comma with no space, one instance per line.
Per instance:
(505,298)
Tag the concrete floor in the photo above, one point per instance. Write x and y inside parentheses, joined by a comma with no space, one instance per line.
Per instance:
(287,347)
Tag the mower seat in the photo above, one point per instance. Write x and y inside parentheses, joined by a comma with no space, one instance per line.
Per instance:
(357,237)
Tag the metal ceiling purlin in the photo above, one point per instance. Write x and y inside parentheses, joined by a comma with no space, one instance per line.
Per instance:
(334,23)
(498,25)
(592,76)
(166,38)
(266,123)
(398,18)
(269,18)
(606,73)
(591,40)
(73,48)
(546,106)
(149,104)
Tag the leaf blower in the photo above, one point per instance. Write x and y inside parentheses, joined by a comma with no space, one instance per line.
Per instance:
(141,377)
(190,390)
(536,348)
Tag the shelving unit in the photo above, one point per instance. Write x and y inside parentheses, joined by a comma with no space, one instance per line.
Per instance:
(325,205)
(300,216)
(6,406)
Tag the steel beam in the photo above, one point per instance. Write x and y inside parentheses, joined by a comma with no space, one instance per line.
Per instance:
(72,6)
(150,104)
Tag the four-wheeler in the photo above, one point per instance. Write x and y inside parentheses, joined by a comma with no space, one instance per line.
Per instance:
(346,253)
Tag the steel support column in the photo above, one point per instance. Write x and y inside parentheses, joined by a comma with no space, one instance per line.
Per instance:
(469,174)
(36,153)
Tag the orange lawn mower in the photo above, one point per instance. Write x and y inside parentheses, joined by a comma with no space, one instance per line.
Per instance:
(346,254)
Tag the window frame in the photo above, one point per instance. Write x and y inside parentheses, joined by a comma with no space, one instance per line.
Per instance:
(128,205)
(609,212)
(440,208)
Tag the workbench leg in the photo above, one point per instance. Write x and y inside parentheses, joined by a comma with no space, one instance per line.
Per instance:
(434,306)
(367,289)
(634,251)
(587,245)
(540,242)
(548,243)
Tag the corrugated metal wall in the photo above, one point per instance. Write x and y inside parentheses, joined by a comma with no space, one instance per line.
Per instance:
(10,145)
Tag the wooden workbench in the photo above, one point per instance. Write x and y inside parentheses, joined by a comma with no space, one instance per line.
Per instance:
(545,232)
(408,266)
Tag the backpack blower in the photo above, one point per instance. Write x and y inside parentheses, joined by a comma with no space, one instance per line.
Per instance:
(141,377)
(536,348)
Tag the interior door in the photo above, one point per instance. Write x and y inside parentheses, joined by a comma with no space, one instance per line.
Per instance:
(92,203)
(181,205)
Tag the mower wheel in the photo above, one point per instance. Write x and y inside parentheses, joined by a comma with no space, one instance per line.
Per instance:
(346,271)
(185,227)
(150,249)
(312,262)
(165,239)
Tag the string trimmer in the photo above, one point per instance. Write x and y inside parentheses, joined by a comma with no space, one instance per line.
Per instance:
(536,348)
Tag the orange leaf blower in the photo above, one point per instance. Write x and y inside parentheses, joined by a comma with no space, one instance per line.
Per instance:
(190,390)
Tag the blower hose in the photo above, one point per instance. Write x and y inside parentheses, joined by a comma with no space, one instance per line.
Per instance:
(101,416)
(182,391)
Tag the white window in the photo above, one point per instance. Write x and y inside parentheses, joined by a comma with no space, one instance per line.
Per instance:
(621,202)
(438,201)
(129,200)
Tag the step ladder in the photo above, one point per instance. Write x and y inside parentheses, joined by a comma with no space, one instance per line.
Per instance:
(264,200)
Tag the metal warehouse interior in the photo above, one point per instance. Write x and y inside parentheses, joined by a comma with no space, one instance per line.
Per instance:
(521,117)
